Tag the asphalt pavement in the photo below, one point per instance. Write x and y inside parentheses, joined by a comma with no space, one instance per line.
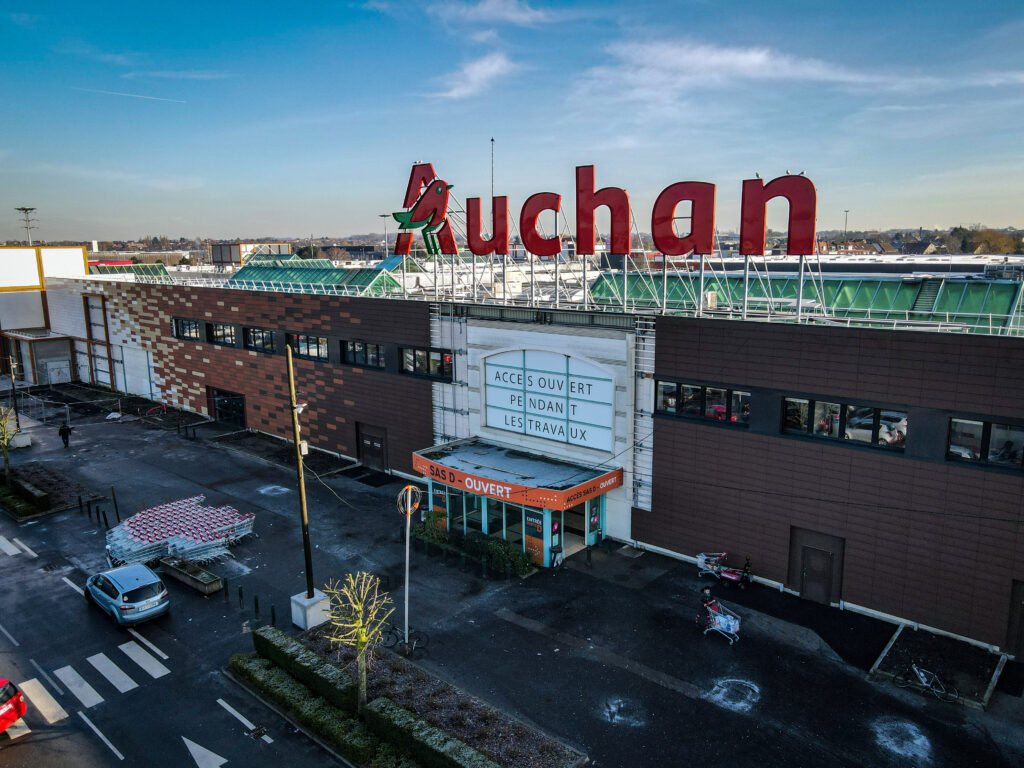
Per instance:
(608,658)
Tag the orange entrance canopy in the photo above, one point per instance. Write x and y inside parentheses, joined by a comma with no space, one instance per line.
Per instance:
(512,475)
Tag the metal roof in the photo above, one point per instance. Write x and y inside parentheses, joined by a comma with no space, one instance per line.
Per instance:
(363,281)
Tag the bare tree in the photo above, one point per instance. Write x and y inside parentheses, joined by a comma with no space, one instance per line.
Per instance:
(358,612)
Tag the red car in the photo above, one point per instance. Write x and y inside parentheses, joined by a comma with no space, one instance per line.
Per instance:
(12,704)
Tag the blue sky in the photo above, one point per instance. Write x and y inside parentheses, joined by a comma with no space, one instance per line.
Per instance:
(285,119)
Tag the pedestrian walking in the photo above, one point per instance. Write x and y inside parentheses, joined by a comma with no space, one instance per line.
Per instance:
(65,433)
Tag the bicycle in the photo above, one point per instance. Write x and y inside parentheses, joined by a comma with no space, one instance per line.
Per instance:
(395,636)
(929,681)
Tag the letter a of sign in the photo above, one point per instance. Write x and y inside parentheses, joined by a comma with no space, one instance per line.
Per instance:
(426,203)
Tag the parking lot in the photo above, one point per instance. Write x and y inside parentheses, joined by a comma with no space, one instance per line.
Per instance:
(608,658)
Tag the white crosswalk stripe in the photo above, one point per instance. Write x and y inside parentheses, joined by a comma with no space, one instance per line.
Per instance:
(41,699)
(8,547)
(136,653)
(17,730)
(115,676)
(84,692)
(26,547)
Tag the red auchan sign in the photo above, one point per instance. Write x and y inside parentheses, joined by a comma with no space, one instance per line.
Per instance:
(518,494)
(426,198)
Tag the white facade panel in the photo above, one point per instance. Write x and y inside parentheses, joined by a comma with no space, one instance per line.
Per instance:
(67,313)
(21,309)
(18,268)
(63,262)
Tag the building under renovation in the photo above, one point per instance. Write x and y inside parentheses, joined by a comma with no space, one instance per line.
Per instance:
(853,426)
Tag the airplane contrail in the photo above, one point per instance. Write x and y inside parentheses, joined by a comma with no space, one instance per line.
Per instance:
(132,95)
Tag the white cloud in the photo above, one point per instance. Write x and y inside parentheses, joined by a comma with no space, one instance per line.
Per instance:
(485,36)
(179,74)
(476,75)
(88,51)
(516,12)
(27,20)
(174,183)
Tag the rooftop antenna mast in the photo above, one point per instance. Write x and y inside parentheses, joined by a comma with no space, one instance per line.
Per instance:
(26,212)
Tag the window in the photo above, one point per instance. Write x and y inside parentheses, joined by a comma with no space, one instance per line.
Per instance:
(796,415)
(259,339)
(221,333)
(665,398)
(858,423)
(361,353)
(986,442)
(186,329)
(436,363)
(312,347)
(696,401)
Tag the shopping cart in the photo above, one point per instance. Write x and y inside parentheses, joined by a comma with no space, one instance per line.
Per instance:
(723,621)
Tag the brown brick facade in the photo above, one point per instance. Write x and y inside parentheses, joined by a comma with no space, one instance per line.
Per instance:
(339,396)
(926,539)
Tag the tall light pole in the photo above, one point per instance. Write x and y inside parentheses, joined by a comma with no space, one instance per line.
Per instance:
(26,212)
(296,410)
(385,216)
(408,502)
(846,220)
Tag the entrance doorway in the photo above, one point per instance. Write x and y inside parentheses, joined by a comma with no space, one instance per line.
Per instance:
(373,446)
(228,408)
(1015,631)
(816,565)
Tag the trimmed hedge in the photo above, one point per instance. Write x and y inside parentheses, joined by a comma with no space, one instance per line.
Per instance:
(346,735)
(429,745)
(308,667)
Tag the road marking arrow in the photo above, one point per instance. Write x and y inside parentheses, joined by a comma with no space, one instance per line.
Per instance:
(204,758)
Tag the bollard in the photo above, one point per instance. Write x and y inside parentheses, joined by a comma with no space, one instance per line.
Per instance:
(462,561)
(589,564)
(113,498)
(241,603)
(483,566)
(256,604)
(508,570)
(226,593)
(273,615)
(105,523)
(88,507)
(444,555)
(81,508)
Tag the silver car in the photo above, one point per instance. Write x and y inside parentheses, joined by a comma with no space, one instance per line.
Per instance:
(129,594)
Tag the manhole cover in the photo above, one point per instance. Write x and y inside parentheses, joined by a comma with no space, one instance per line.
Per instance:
(273,490)
(51,567)
(903,738)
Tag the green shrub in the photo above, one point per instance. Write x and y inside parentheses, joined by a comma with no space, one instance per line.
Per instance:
(308,667)
(428,530)
(428,745)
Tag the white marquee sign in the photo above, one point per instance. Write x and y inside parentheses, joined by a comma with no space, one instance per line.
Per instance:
(550,395)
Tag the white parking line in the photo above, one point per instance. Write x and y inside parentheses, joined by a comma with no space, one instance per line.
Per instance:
(18,729)
(135,652)
(72,584)
(242,719)
(148,644)
(24,546)
(47,678)
(9,636)
(9,548)
(84,692)
(103,738)
(115,676)
(43,701)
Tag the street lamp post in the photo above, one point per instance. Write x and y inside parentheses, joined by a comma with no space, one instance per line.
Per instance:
(296,410)
(385,216)
(408,502)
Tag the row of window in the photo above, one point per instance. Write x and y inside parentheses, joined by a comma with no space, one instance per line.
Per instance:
(985,442)
(699,402)
(834,421)
(418,361)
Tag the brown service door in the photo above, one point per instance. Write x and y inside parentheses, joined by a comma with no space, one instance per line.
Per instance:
(816,575)
(1015,633)
(373,447)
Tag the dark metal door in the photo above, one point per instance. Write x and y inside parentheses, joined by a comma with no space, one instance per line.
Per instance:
(373,449)
(816,575)
(1015,635)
